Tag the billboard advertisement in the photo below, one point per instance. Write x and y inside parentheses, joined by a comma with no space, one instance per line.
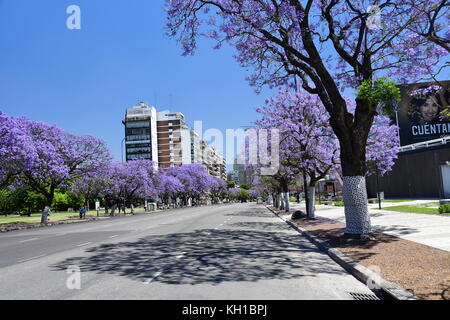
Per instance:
(419,116)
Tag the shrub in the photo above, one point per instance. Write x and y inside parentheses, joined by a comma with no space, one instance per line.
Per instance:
(445,208)
(338,203)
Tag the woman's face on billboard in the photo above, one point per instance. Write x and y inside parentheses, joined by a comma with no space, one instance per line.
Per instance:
(429,109)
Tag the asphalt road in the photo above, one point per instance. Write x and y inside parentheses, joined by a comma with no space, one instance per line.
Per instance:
(238,251)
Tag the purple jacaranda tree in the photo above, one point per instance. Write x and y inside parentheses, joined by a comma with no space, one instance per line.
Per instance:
(169,187)
(195,179)
(17,152)
(309,146)
(258,153)
(131,182)
(233,192)
(268,185)
(254,193)
(93,185)
(331,46)
(433,21)
(217,189)
(60,158)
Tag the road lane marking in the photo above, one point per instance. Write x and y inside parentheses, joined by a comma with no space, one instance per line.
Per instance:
(28,240)
(84,244)
(156,275)
(114,236)
(29,259)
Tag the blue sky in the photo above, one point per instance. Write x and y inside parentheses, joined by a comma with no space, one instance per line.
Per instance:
(82,80)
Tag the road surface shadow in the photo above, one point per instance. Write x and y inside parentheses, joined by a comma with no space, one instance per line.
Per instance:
(221,256)
(252,214)
(267,226)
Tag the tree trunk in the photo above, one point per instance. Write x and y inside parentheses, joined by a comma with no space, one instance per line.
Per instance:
(355,193)
(49,197)
(353,132)
(310,210)
(44,217)
(355,199)
(282,204)
(286,197)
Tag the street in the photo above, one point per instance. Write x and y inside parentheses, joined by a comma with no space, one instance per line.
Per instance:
(236,251)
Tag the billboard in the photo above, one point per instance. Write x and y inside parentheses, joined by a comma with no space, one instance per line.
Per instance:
(419,115)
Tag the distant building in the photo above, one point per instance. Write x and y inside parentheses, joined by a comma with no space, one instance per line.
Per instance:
(241,174)
(174,139)
(214,161)
(140,133)
(165,138)
(196,148)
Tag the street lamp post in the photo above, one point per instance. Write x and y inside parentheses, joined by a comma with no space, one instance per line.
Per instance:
(121,145)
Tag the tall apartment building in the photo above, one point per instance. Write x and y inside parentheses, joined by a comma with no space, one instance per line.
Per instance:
(196,148)
(140,133)
(165,138)
(174,139)
(241,174)
(214,161)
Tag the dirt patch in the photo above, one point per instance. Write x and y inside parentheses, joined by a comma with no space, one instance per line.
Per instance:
(420,269)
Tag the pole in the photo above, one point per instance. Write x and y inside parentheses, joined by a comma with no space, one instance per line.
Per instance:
(305,183)
(378,190)
(398,128)
(121,146)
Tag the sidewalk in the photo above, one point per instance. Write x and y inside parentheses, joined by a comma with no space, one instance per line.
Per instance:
(428,229)
(420,265)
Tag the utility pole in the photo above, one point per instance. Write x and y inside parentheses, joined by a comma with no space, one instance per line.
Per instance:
(305,189)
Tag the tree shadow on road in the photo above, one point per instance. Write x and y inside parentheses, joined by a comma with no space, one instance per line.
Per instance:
(267,226)
(221,256)
(251,214)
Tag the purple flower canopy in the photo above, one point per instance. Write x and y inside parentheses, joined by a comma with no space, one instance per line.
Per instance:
(16,149)
(307,141)
(261,31)
(44,157)
(194,177)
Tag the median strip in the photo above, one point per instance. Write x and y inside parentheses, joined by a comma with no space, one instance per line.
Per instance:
(84,244)
(28,240)
(29,259)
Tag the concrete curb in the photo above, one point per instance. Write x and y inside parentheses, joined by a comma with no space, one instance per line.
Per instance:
(388,289)
(36,226)
(63,222)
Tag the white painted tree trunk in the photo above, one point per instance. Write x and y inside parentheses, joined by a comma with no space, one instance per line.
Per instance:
(281,201)
(355,199)
(286,201)
(311,202)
